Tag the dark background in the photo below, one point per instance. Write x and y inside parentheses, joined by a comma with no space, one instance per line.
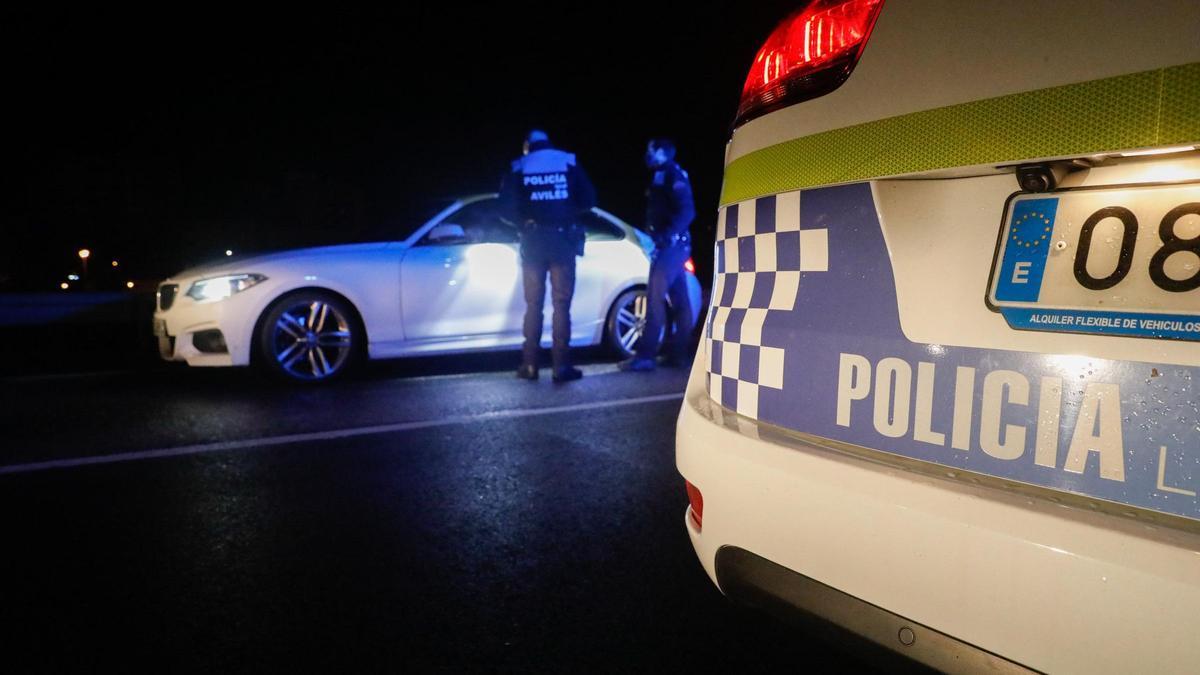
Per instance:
(162,139)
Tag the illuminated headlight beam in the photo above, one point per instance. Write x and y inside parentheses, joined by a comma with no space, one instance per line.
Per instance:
(220,288)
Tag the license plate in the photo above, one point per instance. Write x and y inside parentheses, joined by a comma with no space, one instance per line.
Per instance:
(160,327)
(1116,261)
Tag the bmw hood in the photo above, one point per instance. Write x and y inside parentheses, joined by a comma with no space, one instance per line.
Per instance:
(256,262)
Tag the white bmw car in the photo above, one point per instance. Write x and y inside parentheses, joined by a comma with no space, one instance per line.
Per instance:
(454,285)
(948,394)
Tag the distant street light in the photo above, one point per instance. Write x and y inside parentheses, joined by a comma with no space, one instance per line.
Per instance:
(64,285)
(228,253)
(84,254)
(116,264)
(128,284)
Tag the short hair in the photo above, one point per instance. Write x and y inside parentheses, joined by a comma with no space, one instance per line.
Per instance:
(664,144)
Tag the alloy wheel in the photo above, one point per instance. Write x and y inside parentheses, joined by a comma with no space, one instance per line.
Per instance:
(629,321)
(311,340)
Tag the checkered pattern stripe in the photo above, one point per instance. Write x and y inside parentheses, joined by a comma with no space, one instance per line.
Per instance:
(761,254)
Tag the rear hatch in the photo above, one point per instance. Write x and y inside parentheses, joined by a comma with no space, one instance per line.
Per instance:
(1002,289)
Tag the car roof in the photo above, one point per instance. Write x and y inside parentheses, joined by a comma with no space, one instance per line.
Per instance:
(460,202)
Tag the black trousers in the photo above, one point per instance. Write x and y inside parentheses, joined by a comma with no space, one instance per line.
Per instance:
(667,277)
(561,270)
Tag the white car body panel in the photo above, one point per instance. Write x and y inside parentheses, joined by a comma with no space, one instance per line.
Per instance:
(414,299)
(1046,579)
(353,271)
(1054,587)
(977,50)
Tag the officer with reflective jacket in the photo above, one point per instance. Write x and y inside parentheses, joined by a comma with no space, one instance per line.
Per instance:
(544,194)
(669,213)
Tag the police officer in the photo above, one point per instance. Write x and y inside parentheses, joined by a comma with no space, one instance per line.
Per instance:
(669,212)
(544,194)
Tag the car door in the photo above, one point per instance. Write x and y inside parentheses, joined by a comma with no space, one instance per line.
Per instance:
(463,279)
(606,258)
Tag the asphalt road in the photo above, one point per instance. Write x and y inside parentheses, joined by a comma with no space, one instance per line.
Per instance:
(436,515)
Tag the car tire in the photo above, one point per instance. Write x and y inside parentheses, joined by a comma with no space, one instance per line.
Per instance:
(627,320)
(309,337)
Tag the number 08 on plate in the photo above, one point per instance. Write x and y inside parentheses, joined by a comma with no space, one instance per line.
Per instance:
(1113,261)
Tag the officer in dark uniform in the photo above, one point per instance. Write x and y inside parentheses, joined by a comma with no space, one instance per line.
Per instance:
(669,213)
(544,194)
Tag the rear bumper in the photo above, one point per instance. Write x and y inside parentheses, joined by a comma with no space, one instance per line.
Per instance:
(754,581)
(1052,587)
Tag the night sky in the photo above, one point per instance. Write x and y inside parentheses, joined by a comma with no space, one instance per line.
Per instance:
(163,139)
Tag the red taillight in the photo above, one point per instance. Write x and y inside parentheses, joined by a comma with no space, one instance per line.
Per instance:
(690,265)
(695,504)
(810,54)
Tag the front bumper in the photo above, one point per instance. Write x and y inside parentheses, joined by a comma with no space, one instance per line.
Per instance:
(193,332)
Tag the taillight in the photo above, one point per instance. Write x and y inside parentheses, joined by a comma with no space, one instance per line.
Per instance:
(695,504)
(690,265)
(808,55)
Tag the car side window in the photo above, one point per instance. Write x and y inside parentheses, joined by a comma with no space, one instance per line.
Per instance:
(480,223)
(600,229)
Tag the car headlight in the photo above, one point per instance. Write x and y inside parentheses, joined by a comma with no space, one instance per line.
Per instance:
(219,288)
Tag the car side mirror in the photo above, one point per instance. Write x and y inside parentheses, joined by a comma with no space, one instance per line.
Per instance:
(447,232)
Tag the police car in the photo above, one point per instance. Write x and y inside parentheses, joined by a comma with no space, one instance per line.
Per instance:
(948,395)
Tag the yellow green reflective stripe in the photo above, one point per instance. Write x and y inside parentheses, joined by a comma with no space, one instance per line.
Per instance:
(1156,107)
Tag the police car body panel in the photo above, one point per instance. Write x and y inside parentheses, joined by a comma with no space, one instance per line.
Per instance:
(414,296)
(863,413)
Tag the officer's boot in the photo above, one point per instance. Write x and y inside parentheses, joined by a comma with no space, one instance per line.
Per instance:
(563,370)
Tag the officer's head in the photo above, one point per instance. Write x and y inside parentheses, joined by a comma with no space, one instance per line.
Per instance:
(536,139)
(659,151)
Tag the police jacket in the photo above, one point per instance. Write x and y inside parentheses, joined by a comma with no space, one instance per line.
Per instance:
(544,193)
(669,206)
